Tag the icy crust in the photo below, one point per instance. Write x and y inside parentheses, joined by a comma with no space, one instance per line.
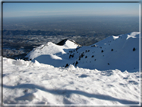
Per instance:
(25,82)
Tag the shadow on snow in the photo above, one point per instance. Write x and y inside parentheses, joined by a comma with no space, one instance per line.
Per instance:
(67,93)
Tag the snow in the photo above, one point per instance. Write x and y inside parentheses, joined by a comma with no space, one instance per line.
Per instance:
(44,81)
(70,44)
(51,49)
(114,52)
(52,54)
(25,82)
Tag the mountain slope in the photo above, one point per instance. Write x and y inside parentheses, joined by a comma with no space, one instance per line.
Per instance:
(50,53)
(44,82)
(115,52)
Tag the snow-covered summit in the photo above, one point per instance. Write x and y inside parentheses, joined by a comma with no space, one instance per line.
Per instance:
(53,54)
(68,43)
(114,52)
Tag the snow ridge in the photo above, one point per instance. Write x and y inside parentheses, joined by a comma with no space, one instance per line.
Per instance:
(115,52)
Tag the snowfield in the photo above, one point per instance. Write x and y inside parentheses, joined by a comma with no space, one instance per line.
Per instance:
(25,82)
(64,76)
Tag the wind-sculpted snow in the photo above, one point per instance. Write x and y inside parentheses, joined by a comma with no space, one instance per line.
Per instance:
(25,82)
(115,52)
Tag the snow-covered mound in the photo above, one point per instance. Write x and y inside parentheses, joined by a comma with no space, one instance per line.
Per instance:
(115,52)
(52,54)
(34,84)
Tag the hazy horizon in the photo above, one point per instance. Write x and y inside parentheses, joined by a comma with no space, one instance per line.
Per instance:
(69,9)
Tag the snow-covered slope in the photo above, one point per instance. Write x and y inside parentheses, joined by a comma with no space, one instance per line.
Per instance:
(52,54)
(28,83)
(115,52)
(103,74)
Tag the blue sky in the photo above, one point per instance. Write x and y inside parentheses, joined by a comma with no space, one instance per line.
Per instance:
(70,9)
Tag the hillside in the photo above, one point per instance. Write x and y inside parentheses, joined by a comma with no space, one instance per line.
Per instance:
(68,74)
(115,52)
(50,53)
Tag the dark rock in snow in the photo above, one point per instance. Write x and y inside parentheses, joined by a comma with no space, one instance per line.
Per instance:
(62,42)
(67,65)
(134,49)
(76,63)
